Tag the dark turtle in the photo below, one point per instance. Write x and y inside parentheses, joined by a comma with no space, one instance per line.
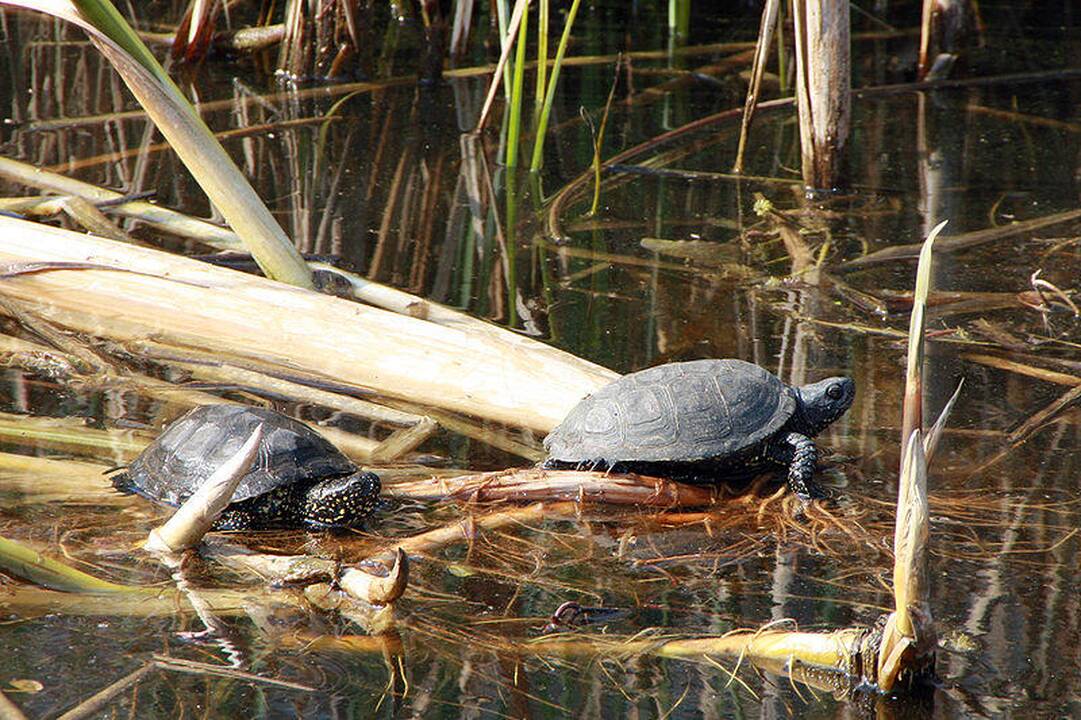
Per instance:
(298,478)
(701,421)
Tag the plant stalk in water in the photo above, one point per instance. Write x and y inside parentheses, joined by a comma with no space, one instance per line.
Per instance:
(514,129)
(549,97)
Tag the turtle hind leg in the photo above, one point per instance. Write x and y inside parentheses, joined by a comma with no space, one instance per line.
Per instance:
(798,452)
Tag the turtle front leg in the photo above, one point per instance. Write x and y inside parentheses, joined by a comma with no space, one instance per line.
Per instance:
(798,452)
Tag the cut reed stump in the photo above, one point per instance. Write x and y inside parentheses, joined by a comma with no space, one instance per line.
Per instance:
(128,294)
(823,82)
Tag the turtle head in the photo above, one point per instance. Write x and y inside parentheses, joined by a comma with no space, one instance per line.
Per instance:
(341,501)
(823,402)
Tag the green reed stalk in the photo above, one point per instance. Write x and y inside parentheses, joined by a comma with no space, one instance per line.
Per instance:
(24,562)
(782,58)
(598,141)
(514,129)
(549,98)
(542,58)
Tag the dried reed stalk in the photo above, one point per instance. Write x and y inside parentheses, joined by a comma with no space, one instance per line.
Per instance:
(502,377)
(536,484)
(823,83)
(186,527)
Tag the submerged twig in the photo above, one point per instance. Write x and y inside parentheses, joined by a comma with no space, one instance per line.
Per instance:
(172,664)
(1044,416)
(954,243)
(100,699)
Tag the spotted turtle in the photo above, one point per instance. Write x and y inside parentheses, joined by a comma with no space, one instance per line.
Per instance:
(298,478)
(701,421)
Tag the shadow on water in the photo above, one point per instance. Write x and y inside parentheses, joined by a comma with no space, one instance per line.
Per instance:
(682,261)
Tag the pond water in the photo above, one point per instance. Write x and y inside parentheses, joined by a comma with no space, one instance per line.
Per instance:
(675,265)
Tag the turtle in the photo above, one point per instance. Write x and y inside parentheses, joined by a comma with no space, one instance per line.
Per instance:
(298,478)
(701,421)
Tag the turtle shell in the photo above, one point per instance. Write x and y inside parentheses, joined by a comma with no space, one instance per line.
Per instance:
(678,412)
(194,446)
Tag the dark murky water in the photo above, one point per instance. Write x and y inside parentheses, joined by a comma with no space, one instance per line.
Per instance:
(385,186)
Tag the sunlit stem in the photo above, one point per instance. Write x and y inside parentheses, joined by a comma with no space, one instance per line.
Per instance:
(542,58)
(196,516)
(549,98)
(912,413)
(515,126)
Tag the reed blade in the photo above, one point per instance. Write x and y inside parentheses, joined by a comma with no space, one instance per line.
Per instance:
(930,442)
(186,132)
(21,561)
(912,414)
(549,97)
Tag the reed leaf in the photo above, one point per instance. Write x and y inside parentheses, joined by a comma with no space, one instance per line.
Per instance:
(514,126)
(18,560)
(549,97)
(186,132)
(912,414)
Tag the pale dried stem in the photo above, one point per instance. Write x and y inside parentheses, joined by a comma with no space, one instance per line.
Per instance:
(549,485)
(823,83)
(510,379)
(41,480)
(9,710)
(221,372)
(340,396)
(196,516)
(72,435)
(1033,371)
(758,69)
(403,441)
(153,215)
(32,602)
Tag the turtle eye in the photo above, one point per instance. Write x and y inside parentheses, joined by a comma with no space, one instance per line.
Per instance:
(835,392)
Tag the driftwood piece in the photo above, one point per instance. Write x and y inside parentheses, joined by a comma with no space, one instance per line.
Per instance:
(550,485)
